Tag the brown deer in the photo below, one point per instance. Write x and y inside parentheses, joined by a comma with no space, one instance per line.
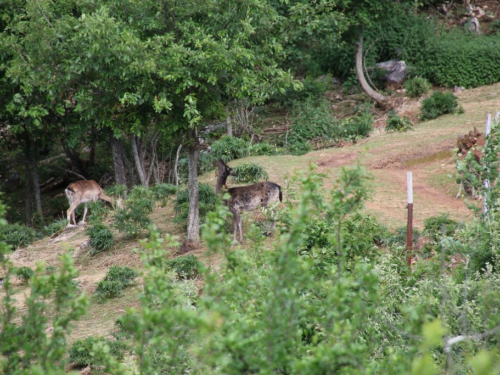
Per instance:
(473,142)
(85,191)
(246,198)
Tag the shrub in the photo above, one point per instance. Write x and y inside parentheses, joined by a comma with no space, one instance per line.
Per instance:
(459,59)
(97,212)
(439,226)
(161,192)
(133,219)
(101,238)
(399,237)
(24,274)
(438,104)
(186,267)
(310,120)
(229,148)
(82,352)
(206,200)
(119,191)
(416,87)
(249,172)
(266,149)
(53,228)
(124,275)
(17,235)
(396,123)
(117,279)
(358,127)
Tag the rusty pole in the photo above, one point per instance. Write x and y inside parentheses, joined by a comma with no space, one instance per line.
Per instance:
(409,226)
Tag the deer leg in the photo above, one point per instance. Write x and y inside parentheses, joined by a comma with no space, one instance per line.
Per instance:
(273,226)
(459,189)
(241,228)
(235,224)
(71,215)
(84,214)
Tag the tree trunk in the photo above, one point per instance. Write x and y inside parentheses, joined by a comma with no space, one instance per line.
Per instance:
(194,211)
(75,159)
(93,145)
(381,99)
(229,127)
(176,165)
(139,162)
(116,149)
(28,198)
(36,185)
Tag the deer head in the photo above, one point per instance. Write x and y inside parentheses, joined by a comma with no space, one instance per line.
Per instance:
(224,172)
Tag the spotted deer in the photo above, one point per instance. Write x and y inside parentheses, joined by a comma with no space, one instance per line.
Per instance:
(246,198)
(85,191)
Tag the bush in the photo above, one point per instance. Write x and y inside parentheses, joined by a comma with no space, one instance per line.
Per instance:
(24,274)
(399,237)
(459,59)
(17,235)
(438,104)
(97,212)
(249,172)
(359,126)
(124,275)
(133,219)
(229,148)
(266,149)
(119,191)
(206,200)
(101,238)
(117,279)
(82,353)
(440,226)
(396,123)
(310,120)
(161,192)
(416,87)
(186,267)
(53,228)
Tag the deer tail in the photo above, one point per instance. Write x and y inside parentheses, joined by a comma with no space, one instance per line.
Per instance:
(281,195)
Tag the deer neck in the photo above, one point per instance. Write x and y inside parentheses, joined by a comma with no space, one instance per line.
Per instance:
(221,181)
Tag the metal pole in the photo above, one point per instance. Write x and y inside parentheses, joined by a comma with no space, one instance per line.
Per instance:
(486,181)
(409,226)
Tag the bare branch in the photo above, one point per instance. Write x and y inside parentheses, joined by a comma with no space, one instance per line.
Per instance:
(476,337)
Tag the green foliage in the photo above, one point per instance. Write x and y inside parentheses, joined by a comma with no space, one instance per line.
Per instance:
(206,200)
(396,123)
(97,212)
(34,338)
(399,237)
(311,120)
(82,352)
(113,284)
(52,228)
(17,235)
(119,191)
(229,148)
(438,104)
(439,226)
(459,59)
(24,274)
(249,172)
(258,149)
(101,238)
(358,127)
(186,267)
(416,87)
(133,218)
(163,191)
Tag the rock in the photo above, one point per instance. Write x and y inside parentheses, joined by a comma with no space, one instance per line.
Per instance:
(396,73)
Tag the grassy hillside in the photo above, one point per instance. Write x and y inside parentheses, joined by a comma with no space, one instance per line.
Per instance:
(427,151)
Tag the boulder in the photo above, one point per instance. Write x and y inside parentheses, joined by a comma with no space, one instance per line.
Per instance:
(397,72)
